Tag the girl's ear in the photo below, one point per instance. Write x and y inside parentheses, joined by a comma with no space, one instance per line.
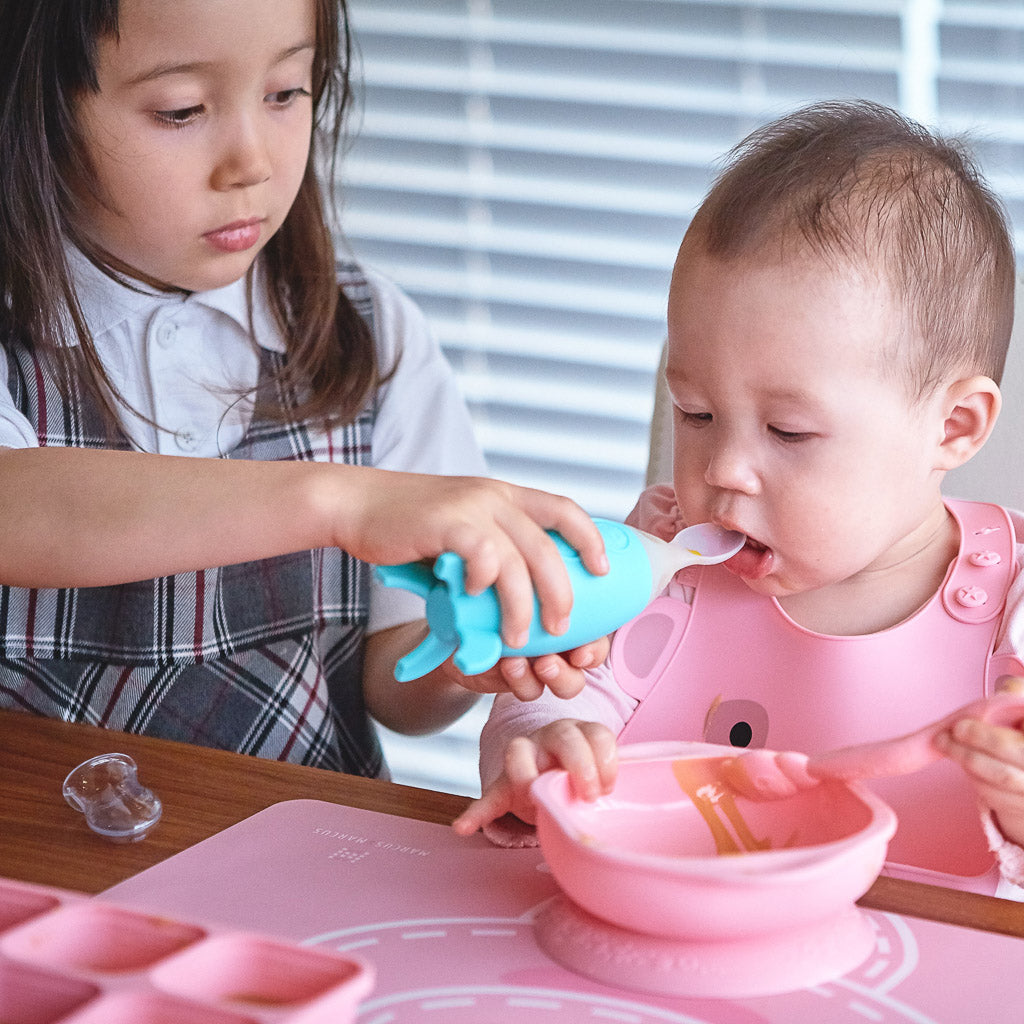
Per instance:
(971,408)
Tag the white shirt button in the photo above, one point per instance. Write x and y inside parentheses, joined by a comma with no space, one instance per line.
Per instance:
(165,334)
(186,440)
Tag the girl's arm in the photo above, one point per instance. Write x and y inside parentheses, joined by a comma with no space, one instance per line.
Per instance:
(416,707)
(74,517)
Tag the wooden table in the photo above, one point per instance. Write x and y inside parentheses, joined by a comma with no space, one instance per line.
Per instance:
(203,791)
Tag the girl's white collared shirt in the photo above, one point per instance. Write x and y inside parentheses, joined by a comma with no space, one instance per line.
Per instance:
(183,360)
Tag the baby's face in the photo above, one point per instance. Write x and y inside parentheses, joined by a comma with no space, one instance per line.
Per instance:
(787,424)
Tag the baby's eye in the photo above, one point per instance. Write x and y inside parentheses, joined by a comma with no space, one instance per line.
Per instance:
(695,419)
(179,118)
(790,436)
(285,97)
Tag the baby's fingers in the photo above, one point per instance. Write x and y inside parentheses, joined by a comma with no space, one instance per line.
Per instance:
(562,674)
(586,751)
(606,753)
(494,804)
(992,756)
(589,655)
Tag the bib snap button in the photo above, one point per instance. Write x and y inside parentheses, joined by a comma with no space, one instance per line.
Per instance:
(971,597)
(984,558)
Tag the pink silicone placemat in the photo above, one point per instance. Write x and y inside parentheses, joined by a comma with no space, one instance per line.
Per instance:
(446,922)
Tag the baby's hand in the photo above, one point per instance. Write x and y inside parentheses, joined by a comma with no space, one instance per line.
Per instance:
(586,750)
(527,678)
(993,758)
(656,512)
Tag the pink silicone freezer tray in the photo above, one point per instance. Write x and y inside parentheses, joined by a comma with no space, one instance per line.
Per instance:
(447,924)
(69,959)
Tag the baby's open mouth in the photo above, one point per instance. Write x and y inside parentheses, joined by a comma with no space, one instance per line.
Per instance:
(752,562)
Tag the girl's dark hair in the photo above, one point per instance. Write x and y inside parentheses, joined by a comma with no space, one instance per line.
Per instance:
(47,59)
(856,181)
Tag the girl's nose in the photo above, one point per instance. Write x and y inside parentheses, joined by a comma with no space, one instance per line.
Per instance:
(244,160)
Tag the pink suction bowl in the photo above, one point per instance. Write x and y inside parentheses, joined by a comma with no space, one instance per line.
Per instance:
(771,912)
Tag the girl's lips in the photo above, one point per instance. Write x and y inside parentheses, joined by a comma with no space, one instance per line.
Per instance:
(752,562)
(236,237)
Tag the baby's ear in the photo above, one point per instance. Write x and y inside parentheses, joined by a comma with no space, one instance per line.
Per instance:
(971,407)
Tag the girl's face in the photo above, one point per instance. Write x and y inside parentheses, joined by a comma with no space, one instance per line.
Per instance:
(199,134)
(788,427)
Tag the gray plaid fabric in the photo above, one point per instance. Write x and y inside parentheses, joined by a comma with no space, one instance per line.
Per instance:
(264,658)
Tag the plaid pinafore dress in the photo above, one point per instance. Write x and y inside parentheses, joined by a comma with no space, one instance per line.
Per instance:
(264,658)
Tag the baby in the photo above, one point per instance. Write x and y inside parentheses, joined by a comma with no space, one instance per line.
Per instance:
(838,320)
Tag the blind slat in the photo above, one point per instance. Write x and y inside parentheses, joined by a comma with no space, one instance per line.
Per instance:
(395,176)
(545,35)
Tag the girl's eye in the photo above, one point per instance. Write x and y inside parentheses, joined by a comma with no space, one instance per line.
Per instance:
(285,97)
(178,118)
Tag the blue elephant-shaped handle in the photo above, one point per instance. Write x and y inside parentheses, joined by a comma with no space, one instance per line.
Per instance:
(469,626)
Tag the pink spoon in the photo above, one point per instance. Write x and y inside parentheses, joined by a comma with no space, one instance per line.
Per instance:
(767,774)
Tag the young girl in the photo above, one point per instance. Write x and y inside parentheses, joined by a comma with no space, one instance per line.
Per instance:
(838,320)
(201,418)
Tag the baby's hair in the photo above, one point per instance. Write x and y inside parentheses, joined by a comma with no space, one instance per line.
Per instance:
(48,52)
(856,182)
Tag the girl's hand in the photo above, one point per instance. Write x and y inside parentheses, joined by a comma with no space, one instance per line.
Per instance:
(993,758)
(586,750)
(527,678)
(497,528)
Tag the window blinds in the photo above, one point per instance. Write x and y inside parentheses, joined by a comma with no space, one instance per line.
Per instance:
(525,169)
